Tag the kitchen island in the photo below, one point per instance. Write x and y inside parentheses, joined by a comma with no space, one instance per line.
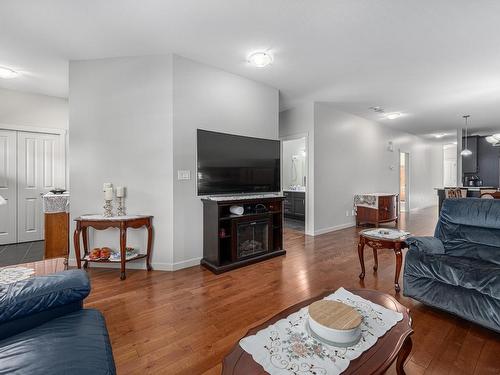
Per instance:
(472,192)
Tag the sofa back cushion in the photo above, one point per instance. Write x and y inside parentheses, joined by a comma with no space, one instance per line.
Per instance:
(42,293)
(470,228)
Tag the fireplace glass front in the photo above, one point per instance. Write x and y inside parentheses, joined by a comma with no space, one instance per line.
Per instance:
(252,238)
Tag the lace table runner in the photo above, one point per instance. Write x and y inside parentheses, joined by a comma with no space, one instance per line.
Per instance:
(286,348)
(12,274)
(102,217)
(390,234)
(53,203)
(366,200)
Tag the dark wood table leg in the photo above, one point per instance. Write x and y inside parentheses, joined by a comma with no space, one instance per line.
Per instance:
(123,250)
(361,249)
(76,243)
(85,245)
(150,242)
(403,355)
(375,258)
(399,262)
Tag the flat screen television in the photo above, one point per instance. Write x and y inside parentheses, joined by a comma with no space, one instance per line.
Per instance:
(233,164)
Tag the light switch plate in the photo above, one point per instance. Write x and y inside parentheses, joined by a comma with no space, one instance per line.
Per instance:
(184,175)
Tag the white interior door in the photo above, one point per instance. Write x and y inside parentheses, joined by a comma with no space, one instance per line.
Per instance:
(8,186)
(39,169)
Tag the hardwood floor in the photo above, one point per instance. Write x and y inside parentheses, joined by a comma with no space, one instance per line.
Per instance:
(185,322)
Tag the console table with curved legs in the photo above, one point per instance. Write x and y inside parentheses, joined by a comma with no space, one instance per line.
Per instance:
(122,223)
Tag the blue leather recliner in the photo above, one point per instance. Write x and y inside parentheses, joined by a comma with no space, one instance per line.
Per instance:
(45,330)
(458,270)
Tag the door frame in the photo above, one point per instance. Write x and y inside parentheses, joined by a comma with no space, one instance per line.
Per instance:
(406,206)
(10,194)
(308,201)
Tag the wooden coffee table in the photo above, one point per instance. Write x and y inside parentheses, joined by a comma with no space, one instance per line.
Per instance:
(395,345)
(377,243)
(44,267)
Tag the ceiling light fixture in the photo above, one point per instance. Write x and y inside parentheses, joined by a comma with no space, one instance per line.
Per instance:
(440,135)
(392,116)
(260,59)
(493,139)
(7,73)
(466,151)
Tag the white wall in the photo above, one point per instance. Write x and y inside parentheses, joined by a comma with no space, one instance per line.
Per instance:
(295,123)
(121,132)
(32,110)
(211,99)
(351,157)
(133,122)
(450,165)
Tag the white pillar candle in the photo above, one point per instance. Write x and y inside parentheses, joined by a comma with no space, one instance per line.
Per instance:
(120,191)
(108,194)
(107,185)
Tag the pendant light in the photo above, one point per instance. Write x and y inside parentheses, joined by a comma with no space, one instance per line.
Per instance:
(466,151)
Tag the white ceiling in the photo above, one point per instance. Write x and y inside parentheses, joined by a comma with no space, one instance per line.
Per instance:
(432,60)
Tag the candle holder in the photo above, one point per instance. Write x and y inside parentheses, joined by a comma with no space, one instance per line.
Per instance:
(120,211)
(108,208)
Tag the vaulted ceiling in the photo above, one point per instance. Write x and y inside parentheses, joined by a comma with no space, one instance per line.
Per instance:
(431,60)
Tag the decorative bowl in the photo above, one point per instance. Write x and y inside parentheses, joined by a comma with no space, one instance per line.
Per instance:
(335,323)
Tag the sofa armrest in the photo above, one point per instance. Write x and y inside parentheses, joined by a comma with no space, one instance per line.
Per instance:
(43,293)
(428,245)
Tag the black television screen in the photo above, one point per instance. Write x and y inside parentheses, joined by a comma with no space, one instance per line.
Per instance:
(233,164)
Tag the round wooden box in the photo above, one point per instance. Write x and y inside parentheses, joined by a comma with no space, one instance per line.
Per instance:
(335,323)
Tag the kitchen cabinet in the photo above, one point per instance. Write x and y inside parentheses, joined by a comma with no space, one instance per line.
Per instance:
(294,205)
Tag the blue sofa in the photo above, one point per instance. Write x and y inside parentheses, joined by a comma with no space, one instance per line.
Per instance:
(458,270)
(45,330)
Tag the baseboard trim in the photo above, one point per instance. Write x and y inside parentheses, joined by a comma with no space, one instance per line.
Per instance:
(184,264)
(334,228)
(157,266)
(421,208)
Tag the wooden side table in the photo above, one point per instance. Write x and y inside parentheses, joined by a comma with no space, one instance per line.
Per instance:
(377,243)
(395,345)
(99,222)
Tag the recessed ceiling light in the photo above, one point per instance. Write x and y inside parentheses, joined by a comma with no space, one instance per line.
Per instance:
(392,116)
(7,73)
(377,109)
(440,135)
(260,59)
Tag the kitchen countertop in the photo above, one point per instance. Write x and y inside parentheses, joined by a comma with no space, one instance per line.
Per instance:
(472,188)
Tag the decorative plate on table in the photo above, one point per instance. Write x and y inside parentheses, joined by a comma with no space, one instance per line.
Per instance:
(58,191)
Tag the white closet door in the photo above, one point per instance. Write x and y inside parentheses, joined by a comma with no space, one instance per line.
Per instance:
(8,219)
(38,171)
